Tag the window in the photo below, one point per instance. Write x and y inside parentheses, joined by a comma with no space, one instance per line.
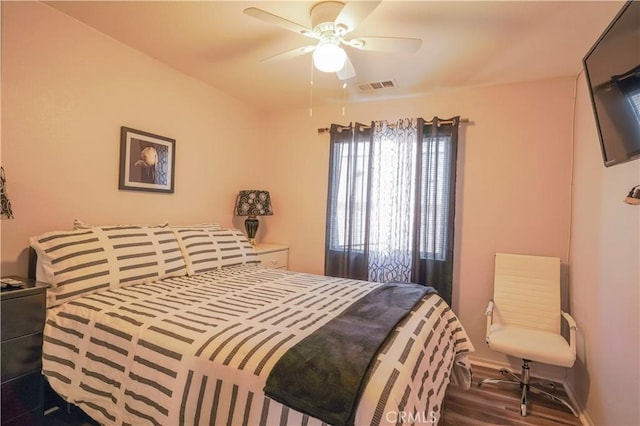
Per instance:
(437,153)
(348,209)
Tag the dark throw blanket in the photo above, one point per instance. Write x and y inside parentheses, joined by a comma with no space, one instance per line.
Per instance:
(325,373)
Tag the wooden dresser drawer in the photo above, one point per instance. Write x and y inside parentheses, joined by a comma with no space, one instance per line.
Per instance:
(22,315)
(23,396)
(21,355)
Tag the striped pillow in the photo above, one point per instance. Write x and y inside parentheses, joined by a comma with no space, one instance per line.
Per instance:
(234,247)
(210,249)
(85,261)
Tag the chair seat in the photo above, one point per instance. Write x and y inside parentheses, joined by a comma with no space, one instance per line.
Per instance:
(534,345)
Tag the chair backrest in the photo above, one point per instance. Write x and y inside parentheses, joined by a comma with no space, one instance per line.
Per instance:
(526,291)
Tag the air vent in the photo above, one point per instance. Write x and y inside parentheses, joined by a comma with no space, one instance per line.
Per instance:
(376,85)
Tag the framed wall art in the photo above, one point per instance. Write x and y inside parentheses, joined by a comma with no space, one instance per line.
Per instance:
(147,161)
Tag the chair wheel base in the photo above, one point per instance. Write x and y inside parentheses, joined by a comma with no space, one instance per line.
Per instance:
(526,386)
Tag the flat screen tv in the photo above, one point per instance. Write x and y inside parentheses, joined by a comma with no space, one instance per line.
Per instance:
(612,69)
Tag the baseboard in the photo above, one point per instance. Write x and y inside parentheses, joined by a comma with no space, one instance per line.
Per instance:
(497,365)
(583,416)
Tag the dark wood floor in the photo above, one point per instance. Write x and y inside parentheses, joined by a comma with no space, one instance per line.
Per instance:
(500,405)
(491,405)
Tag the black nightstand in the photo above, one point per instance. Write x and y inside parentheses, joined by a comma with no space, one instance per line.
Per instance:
(23,312)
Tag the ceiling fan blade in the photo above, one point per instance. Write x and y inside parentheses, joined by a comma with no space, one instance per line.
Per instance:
(289,54)
(347,71)
(277,20)
(386,44)
(355,12)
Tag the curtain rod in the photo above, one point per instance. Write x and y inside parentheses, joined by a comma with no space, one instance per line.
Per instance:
(323,130)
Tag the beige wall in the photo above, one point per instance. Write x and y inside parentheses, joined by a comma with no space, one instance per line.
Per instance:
(605,279)
(66,90)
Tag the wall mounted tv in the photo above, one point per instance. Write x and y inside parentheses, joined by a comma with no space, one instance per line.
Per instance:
(612,69)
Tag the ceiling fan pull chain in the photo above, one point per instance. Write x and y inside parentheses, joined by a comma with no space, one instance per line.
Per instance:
(311,92)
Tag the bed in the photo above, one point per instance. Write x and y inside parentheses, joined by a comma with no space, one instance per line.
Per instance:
(182,325)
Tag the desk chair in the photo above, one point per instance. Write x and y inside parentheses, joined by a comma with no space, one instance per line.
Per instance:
(523,320)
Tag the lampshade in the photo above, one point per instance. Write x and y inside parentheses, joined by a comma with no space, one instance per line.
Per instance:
(253,202)
(329,57)
(5,204)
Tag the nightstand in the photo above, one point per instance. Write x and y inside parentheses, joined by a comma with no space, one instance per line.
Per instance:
(274,256)
(23,312)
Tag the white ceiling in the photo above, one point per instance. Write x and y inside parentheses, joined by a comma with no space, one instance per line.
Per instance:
(465,43)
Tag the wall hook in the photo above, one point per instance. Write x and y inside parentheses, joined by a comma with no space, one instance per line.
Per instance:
(633,197)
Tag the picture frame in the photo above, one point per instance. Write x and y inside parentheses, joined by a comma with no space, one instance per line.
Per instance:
(147,161)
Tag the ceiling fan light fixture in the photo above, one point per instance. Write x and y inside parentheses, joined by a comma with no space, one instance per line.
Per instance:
(329,57)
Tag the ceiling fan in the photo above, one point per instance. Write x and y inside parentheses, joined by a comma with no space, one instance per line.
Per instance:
(331,23)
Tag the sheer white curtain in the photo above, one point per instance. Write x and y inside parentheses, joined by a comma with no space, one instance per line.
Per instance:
(393,188)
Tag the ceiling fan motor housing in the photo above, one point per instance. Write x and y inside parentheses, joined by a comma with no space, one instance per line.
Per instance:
(323,16)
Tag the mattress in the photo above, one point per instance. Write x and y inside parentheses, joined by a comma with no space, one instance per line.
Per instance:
(197,350)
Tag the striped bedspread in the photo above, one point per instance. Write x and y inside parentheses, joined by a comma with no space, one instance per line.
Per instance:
(196,350)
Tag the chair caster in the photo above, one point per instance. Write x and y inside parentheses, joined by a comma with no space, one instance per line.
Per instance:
(524,400)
